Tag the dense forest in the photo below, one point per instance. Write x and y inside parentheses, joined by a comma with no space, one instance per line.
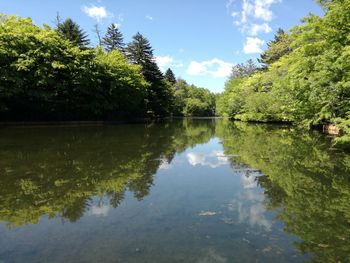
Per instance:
(304,77)
(55,74)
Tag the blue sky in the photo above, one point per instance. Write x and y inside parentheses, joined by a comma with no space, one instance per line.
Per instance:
(199,40)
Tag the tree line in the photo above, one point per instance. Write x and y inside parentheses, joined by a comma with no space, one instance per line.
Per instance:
(304,76)
(54,74)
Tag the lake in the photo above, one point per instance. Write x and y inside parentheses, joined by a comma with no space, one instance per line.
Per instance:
(176,191)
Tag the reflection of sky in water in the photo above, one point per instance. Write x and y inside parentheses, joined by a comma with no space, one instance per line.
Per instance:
(214,159)
(246,207)
(250,209)
(164,165)
(168,218)
(249,204)
(100,210)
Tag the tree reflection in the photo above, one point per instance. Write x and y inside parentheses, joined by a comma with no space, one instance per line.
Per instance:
(306,182)
(59,171)
(56,171)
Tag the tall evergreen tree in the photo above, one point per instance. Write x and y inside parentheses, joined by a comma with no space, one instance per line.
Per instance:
(113,39)
(169,76)
(243,70)
(277,48)
(140,52)
(72,31)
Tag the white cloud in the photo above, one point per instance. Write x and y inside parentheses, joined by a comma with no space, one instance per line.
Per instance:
(253,10)
(96,12)
(262,9)
(247,10)
(196,69)
(165,62)
(252,18)
(149,17)
(253,45)
(229,3)
(215,68)
(234,14)
(256,29)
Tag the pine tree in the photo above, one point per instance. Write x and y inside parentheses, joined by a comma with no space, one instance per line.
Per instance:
(113,39)
(140,52)
(277,48)
(243,70)
(169,76)
(72,31)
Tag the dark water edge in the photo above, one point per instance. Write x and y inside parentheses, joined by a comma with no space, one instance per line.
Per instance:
(74,123)
(173,191)
(100,122)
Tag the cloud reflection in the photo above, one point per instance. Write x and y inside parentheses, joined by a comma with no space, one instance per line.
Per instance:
(249,182)
(100,210)
(213,160)
(249,205)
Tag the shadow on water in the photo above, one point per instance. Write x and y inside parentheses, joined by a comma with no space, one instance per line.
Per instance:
(62,172)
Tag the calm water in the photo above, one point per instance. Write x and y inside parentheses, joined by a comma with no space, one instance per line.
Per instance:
(180,191)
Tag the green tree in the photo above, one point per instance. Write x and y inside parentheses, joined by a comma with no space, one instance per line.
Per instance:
(170,76)
(277,48)
(140,52)
(190,100)
(72,31)
(243,70)
(47,77)
(113,39)
(306,76)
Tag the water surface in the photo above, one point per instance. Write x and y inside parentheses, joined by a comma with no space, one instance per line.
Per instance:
(178,191)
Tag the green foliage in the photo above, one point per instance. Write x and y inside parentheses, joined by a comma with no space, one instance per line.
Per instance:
(243,70)
(170,76)
(140,52)
(307,78)
(304,182)
(277,48)
(124,84)
(113,39)
(71,30)
(51,75)
(190,100)
(46,77)
(57,171)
